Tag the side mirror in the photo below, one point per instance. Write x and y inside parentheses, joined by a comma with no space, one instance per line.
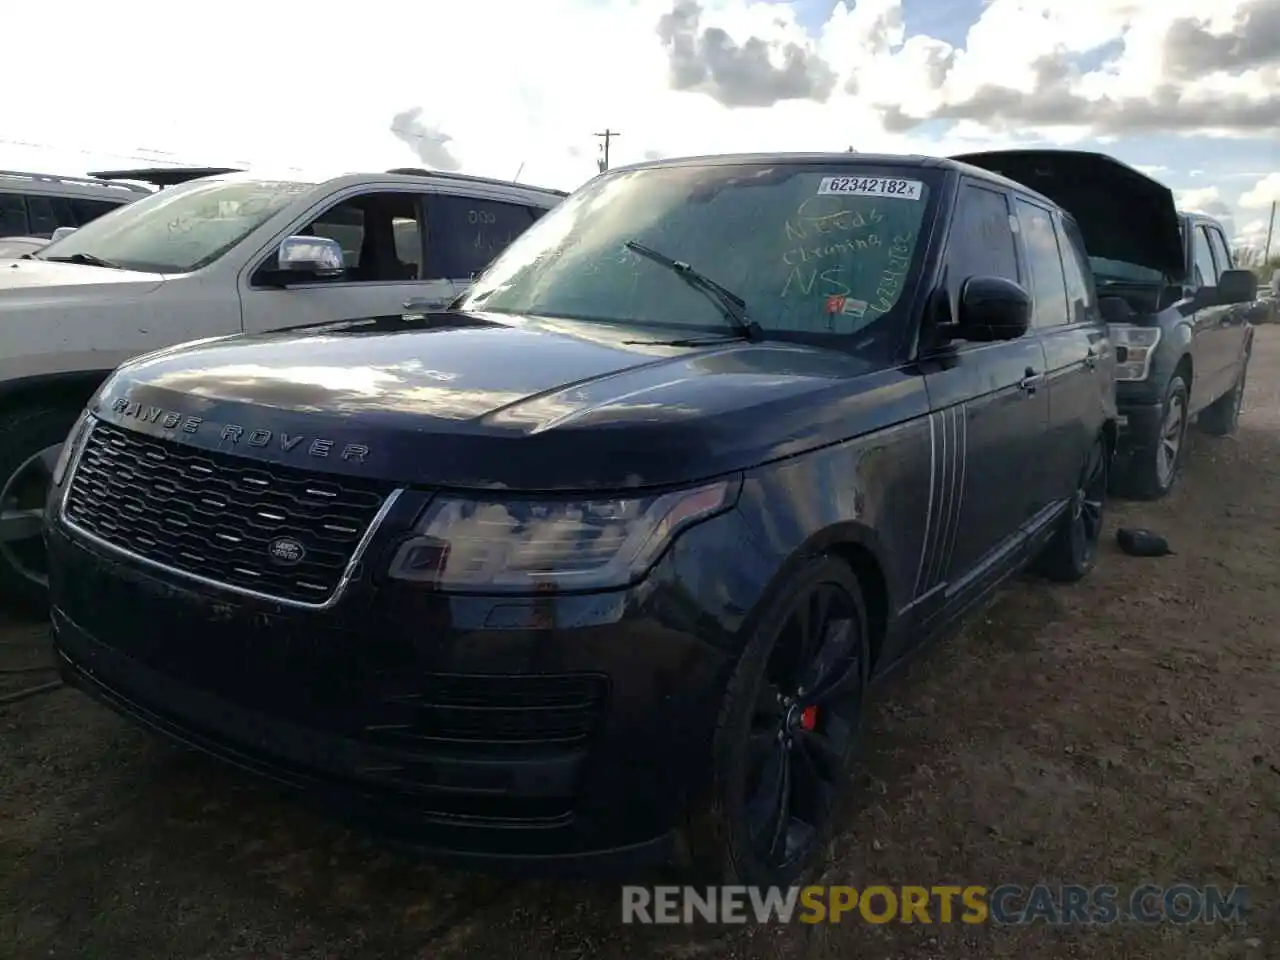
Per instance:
(993,308)
(1237,286)
(62,232)
(310,258)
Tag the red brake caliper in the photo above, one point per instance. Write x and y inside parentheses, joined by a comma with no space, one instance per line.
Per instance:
(809,718)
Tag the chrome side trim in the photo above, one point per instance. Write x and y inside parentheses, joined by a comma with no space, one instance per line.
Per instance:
(928,517)
(343,582)
(961,423)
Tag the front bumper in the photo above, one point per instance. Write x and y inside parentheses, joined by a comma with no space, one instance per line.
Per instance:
(474,729)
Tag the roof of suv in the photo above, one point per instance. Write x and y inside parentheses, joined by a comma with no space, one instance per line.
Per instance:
(872,159)
(51,184)
(398,175)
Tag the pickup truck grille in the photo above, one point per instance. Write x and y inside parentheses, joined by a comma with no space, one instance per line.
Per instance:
(216,516)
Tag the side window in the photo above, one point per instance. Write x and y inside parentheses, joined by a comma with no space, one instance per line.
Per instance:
(379,234)
(468,232)
(86,210)
(13,216)
(1221,254)
(62,212)
(1206,273)
(43,220)
(981,242)
(1082,295)
(344,223)
(1044,263)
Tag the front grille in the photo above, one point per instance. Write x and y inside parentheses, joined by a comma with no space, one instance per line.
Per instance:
(216,515)
(491,713)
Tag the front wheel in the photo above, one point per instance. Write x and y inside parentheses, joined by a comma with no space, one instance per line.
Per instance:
(1153,467)
(789,728)
(30,441)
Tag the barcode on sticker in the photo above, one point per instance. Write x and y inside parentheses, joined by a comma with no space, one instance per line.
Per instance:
(871,187)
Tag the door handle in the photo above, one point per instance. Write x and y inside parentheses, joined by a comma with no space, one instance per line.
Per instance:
(1029,382)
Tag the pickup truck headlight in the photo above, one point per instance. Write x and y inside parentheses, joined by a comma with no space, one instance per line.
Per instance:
(511,545)
(1135,348)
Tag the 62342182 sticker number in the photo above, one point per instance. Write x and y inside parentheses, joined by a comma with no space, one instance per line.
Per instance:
(871,187)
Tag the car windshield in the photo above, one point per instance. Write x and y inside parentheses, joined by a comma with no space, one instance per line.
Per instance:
(178,229)
(1104,269)
(812,249)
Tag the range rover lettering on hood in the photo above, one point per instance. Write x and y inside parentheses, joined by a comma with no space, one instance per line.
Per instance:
(235,433)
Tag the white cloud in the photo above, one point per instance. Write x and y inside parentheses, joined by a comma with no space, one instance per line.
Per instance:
(1263,193)
(498,83)
(1253,233)
(1200,200)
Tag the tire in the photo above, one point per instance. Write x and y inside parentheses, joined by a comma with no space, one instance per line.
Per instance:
(756,723)
(30,440)
(1152,468)
(1073,551)
(1221,417)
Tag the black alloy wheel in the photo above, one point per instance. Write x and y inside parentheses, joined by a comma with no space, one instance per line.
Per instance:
(804,726)
(1087,505)
(1073,551)
(789,730)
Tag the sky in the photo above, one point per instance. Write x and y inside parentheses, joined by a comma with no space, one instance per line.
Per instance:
(513,88)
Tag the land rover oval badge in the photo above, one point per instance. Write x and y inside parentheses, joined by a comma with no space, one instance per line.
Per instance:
(286,551)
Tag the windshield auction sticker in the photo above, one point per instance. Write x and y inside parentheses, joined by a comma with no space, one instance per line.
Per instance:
(871,187)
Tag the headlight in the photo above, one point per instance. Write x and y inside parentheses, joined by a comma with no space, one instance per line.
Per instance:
(69,447)
(520,546)
(1135,347)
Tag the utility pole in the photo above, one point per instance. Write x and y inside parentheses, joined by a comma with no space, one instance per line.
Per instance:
(1266,254)
(606,136)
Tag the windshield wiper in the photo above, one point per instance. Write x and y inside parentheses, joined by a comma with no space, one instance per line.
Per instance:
(685,341)
(732,306)
(86,258)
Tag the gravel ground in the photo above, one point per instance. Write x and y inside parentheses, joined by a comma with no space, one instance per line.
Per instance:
(1120,730)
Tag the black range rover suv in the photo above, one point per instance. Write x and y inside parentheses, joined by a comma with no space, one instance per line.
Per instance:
(601,562)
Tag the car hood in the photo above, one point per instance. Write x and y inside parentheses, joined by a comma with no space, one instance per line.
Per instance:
(24,275)
(472,400)
(1123,213)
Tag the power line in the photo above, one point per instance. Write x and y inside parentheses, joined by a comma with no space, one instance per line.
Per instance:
(1271,222)
(146,155)
(607,136)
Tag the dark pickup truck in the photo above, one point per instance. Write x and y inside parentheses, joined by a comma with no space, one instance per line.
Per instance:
(600,563)
(1178,309)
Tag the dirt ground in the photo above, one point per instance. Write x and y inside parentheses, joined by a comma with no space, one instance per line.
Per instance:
(1121,730)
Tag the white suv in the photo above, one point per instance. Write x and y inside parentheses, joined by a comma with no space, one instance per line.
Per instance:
(212,257)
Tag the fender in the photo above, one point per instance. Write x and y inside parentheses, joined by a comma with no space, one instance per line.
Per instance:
(870,480)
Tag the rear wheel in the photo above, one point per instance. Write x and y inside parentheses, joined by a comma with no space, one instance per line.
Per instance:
(30,441)
(1073,551)
(1221,417)
(1152,469)
(789,729)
